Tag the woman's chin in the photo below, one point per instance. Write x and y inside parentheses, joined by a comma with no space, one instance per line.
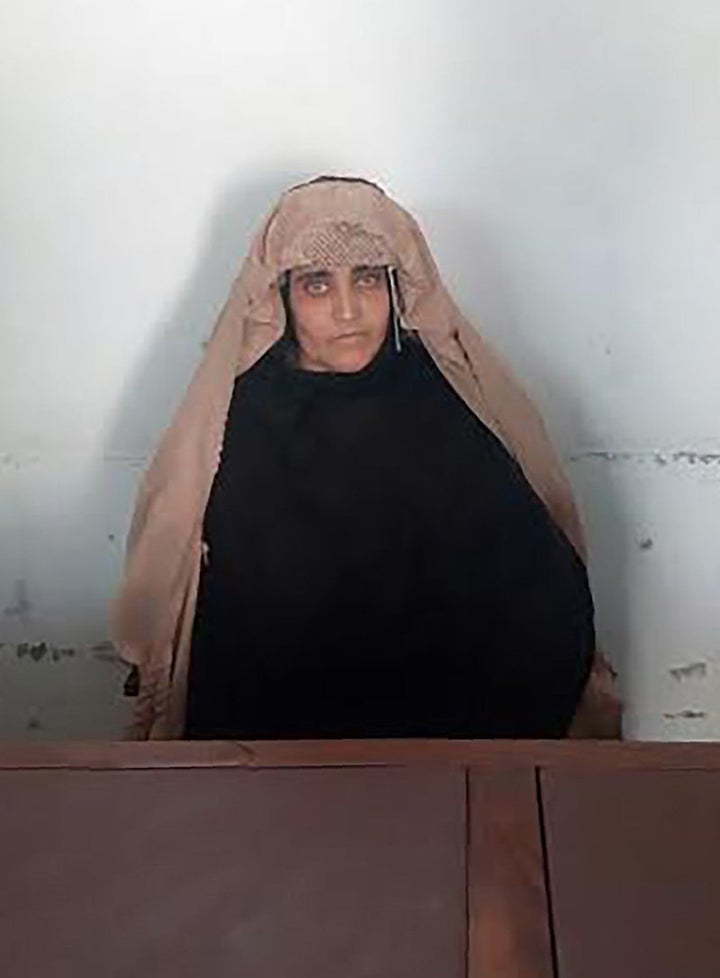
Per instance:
(354,356)
(345,354)
(352,364)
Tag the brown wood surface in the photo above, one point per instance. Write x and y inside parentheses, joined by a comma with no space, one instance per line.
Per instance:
(508,920)
(349,858)
(634,867)
(233,874)
(257,754)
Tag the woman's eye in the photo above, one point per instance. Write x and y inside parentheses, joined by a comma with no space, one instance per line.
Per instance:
(368,280)
(316,287)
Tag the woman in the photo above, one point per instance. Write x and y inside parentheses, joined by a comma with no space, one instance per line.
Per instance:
(355,526)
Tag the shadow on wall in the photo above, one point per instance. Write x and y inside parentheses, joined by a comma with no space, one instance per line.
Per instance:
(154,390)
(175,345)
(482,281)
(59,676)
(150,394)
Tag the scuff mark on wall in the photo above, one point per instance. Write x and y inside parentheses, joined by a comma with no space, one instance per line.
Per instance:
(105,646)
(45,651)
(647,544)
(693,670)
(38,651)
(23,605)
(134,461)
(108,657)
(688,714)
(604,456)
(679,456)
(105,652)
(53,691)
(704,458)
(17,460)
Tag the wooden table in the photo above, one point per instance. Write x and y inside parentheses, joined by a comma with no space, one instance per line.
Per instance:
(395,859)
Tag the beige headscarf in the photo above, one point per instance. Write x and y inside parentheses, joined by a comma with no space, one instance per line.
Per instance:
(326,222)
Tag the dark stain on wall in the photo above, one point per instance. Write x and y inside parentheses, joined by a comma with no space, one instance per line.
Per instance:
(37,651)
(693,458)
(693,670)
(680,457)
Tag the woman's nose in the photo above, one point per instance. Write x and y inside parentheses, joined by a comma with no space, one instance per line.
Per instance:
(345,305)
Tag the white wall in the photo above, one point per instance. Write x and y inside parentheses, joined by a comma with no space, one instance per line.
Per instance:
(564,159)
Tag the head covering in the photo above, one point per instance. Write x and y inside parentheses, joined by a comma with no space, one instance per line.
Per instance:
(325,222)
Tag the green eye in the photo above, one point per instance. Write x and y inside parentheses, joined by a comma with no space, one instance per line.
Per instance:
(316,287)
(368,279)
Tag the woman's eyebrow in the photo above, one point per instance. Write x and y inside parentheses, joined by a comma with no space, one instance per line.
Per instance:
(312,273)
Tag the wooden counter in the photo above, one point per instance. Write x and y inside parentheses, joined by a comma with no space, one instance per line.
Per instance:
(395,859)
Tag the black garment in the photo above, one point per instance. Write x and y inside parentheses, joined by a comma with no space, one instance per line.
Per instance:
(379,567)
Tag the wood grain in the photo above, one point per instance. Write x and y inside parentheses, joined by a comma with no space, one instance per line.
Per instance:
(508,919)
(634,867)
(594,755)
(323,873)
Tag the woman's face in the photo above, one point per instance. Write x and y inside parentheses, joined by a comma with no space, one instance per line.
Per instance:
(340,315)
